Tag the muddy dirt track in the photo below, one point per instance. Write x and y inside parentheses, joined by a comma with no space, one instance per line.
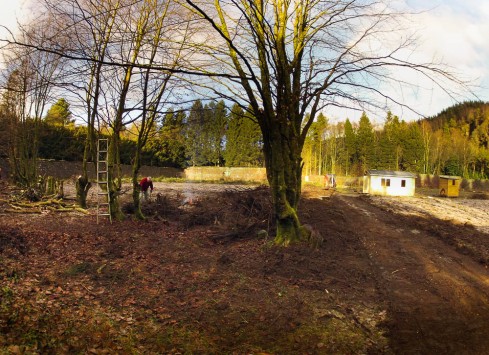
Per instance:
(436,296)
(398,276)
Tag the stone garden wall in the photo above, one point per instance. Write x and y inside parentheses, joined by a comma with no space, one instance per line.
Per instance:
(68,169)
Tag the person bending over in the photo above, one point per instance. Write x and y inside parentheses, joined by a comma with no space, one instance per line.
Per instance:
(146,188)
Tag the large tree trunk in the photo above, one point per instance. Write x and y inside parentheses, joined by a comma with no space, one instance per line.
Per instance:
(136,189)
(114,176)
(82,183)
(284,171)
(82,187)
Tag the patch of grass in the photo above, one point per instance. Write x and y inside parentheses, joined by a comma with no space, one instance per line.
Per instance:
(338,336)
(56,330)
(184,338)
(218,181)
(168,179)
(7,312)
(80,268)
(13,274)
(6,299)
(244,182)
(55,327)
(313,183)
(100,272)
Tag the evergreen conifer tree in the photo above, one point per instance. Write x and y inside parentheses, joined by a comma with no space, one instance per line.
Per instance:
(194,135)
(243,140)
(59,114)
(365,142)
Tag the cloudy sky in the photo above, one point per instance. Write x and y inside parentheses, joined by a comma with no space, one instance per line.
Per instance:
(454,31)
(10,10)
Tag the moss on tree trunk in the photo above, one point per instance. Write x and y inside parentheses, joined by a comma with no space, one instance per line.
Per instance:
(114,176)
(82,183)
(82,187)
(284,170)
(136,189)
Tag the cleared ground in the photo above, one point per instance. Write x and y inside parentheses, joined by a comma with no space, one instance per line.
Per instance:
(392,275)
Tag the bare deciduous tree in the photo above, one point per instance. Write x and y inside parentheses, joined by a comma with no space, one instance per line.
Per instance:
(288,57)
(122,55)
(156,86)
(29,80)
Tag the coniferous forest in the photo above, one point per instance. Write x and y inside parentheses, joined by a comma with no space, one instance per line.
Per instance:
(454,142)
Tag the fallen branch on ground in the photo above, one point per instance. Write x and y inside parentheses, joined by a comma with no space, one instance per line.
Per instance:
(55,205)
(8,210)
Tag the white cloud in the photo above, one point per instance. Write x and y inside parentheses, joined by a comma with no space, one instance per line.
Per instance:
(455,32)
(11,11)
(451,31)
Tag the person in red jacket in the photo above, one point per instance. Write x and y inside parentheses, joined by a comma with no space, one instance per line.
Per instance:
(146,187)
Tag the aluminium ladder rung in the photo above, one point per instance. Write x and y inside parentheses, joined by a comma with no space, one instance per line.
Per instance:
(102,176)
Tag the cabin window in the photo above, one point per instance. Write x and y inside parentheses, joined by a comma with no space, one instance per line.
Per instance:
(403,183)
(453,182)
(385,182)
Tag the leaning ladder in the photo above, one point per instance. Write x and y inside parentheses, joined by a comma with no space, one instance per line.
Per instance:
(103,196)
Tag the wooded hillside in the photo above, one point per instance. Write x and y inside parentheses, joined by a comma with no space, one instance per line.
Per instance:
(473,115)
(454,142)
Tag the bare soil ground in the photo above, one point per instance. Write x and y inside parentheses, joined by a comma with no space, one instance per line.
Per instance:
(392,275)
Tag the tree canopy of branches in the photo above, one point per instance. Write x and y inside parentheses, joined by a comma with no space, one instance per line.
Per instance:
(282,61)
(288,57)
(121,58)
(27,87)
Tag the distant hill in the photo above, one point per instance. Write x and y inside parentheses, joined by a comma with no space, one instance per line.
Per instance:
(470,115)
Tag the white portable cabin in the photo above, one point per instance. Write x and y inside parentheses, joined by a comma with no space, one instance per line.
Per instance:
(389,183)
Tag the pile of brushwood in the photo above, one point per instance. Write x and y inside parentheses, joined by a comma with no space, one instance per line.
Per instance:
(230,214)
(46,196)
